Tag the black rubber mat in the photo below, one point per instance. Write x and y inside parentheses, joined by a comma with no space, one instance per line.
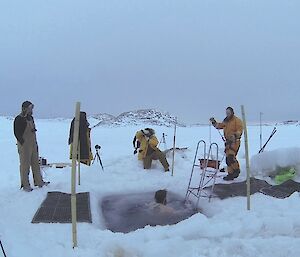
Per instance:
(56,208)
(224,191)
(129,212)
(283,190)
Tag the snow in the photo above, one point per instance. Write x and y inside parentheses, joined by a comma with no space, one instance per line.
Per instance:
(270,229)
(137,117)
(265,164)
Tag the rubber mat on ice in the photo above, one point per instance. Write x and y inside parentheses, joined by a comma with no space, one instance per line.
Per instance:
(224,191)
(283,190)
(56,208)
(129,212)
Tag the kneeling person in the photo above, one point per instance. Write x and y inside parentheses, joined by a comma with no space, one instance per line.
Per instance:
(146,143)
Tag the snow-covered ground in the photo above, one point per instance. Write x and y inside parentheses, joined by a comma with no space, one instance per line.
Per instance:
(270,229)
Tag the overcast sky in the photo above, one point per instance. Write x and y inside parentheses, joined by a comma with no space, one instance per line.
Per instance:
(192,58)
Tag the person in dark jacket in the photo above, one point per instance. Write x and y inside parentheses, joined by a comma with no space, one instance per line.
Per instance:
(25,133)
(86,155)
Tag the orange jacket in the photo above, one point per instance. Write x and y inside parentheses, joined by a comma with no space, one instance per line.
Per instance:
(231,127)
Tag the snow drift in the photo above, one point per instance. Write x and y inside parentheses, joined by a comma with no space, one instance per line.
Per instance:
(266,163)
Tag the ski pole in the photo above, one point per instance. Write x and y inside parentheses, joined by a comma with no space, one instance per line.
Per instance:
(220,135)
(2,248)
(270,137)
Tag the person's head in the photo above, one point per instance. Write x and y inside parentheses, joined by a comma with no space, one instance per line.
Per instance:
(83,118)
(148,132)
(229,112)
(27,108)
(161,197)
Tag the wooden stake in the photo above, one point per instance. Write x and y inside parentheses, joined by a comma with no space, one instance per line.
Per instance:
(174,147)
(79,158)
(247,157)
(73,177)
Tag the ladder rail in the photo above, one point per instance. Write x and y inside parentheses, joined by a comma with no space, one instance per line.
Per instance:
(206,176)
(194,164)
(217,169)
(203,175)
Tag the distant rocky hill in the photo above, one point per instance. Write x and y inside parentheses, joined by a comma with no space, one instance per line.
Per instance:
(138,117)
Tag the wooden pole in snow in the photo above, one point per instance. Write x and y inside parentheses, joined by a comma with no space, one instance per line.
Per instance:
(79,158)
(247,156)
(260,126)
(73,177)
(174,146)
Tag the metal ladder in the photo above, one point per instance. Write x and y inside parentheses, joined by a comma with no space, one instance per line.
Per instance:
(206,175)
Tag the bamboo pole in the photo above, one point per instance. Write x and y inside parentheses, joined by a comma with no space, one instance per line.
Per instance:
(247,157)
(174,146)
(260,126)
(73,177)
(79,158)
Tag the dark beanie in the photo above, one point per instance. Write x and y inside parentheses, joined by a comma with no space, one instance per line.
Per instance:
(160,196)
(231,109)
(26,104)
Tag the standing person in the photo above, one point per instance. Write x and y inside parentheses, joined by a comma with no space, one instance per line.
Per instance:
(25,133)
(233,130)
(86,155)
(145,143)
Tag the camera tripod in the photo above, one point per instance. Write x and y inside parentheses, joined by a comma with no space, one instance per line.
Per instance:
(163,141)
(97,157)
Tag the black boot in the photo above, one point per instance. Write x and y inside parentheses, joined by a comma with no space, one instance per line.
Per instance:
(236,173)
(44,184)
(229,177)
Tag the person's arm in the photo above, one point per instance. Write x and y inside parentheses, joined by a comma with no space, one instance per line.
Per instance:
(19,129)
(220,125)
(34,124)
(70,141)
(153,142)
(217,125)
(239,129)
(134,141)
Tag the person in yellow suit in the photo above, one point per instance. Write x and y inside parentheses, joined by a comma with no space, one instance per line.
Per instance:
(233,130)
(145,143)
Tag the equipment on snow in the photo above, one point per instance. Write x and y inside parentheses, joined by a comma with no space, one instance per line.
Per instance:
(97,156)
(163,141)
(285,174)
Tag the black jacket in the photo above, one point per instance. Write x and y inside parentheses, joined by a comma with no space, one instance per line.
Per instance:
(20,124)
(83,136)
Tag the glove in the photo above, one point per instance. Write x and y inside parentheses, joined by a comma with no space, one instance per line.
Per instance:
(213,121)
(231,140)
